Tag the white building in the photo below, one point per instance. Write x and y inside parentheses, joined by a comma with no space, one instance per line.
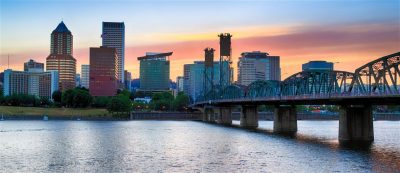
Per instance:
(85,76)
(258,65)
(113,35)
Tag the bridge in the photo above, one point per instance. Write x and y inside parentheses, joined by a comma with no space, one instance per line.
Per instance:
(375,83)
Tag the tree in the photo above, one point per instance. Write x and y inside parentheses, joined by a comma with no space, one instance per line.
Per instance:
(181,102)
(67,98)
(120,104)
(101,102)
(82,98)
(124,92)
(76,98)
(57,96)
(162,101)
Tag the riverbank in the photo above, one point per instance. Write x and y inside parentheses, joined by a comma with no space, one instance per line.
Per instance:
(32,113)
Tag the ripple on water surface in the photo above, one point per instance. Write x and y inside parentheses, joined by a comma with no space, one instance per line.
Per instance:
(186,146)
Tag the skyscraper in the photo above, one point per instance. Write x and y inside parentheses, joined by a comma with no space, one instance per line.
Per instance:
(256,65)
(193,78)
(60,58)
(103,71)
(154,71)
(113,35)
(85,75)
(128,80)
(32,65)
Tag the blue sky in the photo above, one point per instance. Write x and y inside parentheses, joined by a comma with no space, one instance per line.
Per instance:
(26,24)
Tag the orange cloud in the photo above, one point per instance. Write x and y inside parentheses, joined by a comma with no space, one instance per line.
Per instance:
(350,45)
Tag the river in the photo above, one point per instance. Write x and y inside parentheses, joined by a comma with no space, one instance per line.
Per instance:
(189,146)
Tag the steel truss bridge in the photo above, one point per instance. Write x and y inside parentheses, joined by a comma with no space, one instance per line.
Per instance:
(377,82)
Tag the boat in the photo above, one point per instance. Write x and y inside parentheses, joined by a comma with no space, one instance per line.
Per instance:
(45,118)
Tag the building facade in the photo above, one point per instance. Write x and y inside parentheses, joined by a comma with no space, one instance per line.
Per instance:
(154,71)
(32,65)
(128,80)
(60,58)
(179,83)
(317,65)
(85,76)
(193,78)
(40,84)
(78,80)
(103,75)
(113,35)
(256,65)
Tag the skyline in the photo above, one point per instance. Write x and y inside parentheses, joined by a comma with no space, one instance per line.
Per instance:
(352,34)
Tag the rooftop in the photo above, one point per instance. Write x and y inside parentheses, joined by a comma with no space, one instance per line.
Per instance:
(154,55)
(62,28)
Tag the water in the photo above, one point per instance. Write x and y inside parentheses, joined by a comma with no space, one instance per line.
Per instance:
(186,146)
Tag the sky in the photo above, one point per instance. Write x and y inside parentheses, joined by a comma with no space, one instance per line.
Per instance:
(349,33)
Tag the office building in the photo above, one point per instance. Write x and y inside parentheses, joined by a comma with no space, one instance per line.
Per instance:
(113,35)
(128,80)
(194,78)
(85,76)
(154,71)
(256,65)
(60,58)
(317,66)
(103,75)
(32,65)
(179,83)
(40,84)
(78,80)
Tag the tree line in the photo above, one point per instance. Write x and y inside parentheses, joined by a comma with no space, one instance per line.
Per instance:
(117,105)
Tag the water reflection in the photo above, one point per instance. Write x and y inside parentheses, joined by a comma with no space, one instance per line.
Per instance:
(185,146)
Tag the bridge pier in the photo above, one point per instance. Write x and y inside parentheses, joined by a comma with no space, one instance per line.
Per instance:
(285,119)
(208,114)
(356,124)
(225,116)
(249,116)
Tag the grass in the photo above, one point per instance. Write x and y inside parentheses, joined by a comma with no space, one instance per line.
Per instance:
(15,110)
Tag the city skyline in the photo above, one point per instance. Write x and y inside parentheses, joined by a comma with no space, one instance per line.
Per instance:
(350,34)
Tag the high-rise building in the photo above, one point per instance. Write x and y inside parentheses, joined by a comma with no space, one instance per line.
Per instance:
(103,73)
(154,71)
(186,78)
(256,65)
(78,80)
(194,78)
(32,65)
(317,65)
(128,80)
(60,58)
(85,75)
(113,35)
(179,83)
(40,84)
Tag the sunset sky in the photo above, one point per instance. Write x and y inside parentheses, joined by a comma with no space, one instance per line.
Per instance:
(349,33)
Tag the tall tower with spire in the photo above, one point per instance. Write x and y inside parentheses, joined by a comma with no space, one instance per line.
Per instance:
(60,58)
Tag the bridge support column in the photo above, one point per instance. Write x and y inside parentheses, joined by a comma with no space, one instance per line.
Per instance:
(225,116)
(356,124)
(208,114)
(249,116)
(285,119)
